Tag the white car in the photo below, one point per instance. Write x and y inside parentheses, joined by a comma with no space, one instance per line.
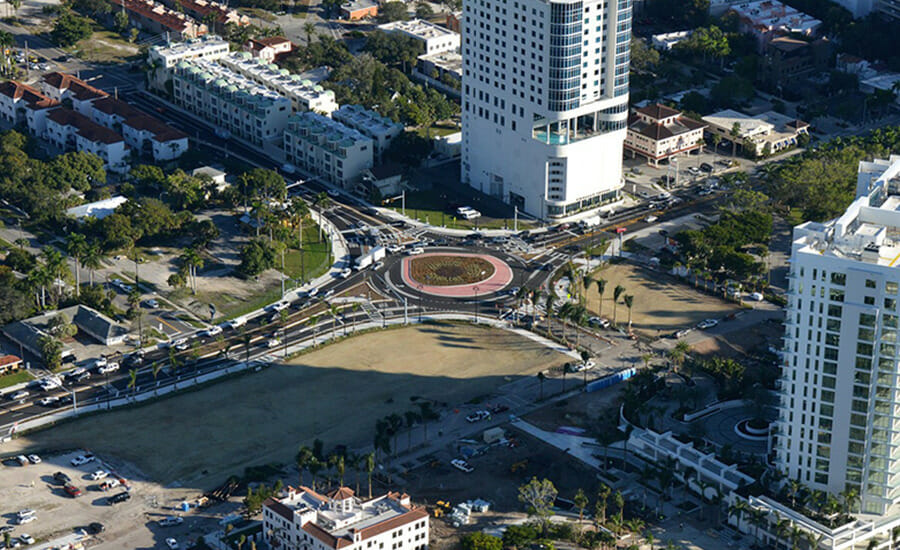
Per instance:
(48,401)
(171,521)
(81,460)
(34,459)
(180,344)
(172,544)
(587,365)
(651,219)
(27,512)
(26,538)
(99,362)
(756,297)
(478,415)
(22,520)
(462,465)
(19,395)
(395,248)
(152,302)
(708,323)
(76,372)
(108,368)
(99,474)
(346,272)
(280,306)
(312,292)
(212,331)
(273,343)
(415,251)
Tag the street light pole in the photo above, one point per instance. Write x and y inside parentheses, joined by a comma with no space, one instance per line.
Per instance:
(475,307)
(419,287)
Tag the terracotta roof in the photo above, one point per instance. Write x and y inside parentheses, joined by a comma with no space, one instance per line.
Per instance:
(325,537)
(393,523)
(87,128)
(34,98)
(342,493)
(113,106)
(77,87)
(8,360)
(314,494)
(658,111)
(656,131)
(797,124)
(787,44)
(161,131)
(222,13)
(170,19)
(276,506)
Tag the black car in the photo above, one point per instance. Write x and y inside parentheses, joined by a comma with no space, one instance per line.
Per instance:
(117,498)
(95,528)
(61,477)
(706,167)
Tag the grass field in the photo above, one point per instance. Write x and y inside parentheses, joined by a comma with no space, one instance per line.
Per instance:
(429,206)
(14,378)
(106,47)
(659,305)
(315,255)
(335,394)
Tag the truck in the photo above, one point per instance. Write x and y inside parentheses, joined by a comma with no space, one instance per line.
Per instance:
(375,254)
(591,222)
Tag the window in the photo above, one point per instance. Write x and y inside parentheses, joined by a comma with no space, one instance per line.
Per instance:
(836,278)
(870,283)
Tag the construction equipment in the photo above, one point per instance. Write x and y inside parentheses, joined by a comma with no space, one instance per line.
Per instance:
(521,465)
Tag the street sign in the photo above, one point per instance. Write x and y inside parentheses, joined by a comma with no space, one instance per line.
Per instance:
(620,230)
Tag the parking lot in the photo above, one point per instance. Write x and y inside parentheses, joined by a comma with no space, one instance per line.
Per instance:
(60,518)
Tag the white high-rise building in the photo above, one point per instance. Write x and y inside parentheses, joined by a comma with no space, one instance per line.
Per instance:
(839,421)
(545,101)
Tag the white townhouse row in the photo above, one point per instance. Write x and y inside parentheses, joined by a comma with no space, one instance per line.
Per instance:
(305,519)
(231,101)
(318,144)
(381,129)
(304,94)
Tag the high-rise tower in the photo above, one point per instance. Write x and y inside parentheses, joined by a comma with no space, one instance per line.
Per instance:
(545,101)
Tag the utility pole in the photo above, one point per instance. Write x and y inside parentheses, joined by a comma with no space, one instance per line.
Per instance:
(403,201)
(405,311)
(516,218)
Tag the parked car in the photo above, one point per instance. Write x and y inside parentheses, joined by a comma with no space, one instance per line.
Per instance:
(598,322)
(477,416)
(171,521)
(172,543)
(707,323)
(22,460)
(61,477)
(756,297)
(109,483)
(95,528)
(81,460)
(706,167)
(72,490)
(118,497)
(34,459)
(152,303)
(462,465)
(22,520)
(99,474)
(108,368)
(26,538)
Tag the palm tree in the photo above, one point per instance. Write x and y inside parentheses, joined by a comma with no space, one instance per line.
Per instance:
(193,261)
(322,202)
(541,377)
(333,310)
(76,245)
(551,299)
(629,302)
(426,414)
(535,298)
(310,30)
(586,281)
(340,467)
(679,353)
(737,510)
(315,466)
(174,363)
(581,502)
(395,421)
(716,140)
(56,269)
(370,467)
(411,418)
(792,489)
(601,288)
(617,292)
(850,498)
(132,381)
(299,210)
(303,459)
(92,259)
(600,508)
(155,368)
(734,134)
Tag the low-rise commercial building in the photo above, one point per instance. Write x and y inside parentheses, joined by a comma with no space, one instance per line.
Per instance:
(443,68)
(269,48)
(788,60)
(303,94)
(230,101)
(97,209)
(763,134)
(769,19)
(307,520)
(327,148)
(70,130)
(359,9)
(434,38)
(10,363)
(381,129)
(667,41)
(658,133)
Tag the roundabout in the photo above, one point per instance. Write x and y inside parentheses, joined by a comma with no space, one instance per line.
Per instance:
(455,274)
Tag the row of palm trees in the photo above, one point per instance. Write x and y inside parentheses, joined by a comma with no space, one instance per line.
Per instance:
(334,467)
(389,427)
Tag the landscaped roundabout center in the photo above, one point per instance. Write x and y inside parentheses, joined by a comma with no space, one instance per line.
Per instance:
(456,275)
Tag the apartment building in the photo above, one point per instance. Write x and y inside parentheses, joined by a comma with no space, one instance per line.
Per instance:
(23,105)
(545,102)
(205,47)
(215,14)
(327,148)
(303,94)
(70,90)
(434,38)
(147,135)
(304,519)
(769,19)
(657,133)
(380,129)
(70,130)
(230,101)
(838,424)
(156,18)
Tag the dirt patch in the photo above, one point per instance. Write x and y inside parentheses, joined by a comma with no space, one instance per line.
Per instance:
(661,305)
(196,439)
(450,270)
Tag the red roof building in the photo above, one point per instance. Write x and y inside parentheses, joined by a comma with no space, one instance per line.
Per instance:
(658,133)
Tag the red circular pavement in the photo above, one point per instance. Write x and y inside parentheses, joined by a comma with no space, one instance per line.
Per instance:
(502,276)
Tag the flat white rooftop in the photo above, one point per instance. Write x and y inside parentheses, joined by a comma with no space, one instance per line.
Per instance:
(419,28)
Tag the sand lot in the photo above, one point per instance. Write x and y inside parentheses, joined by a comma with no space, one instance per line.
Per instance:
(335,394)
(660,304)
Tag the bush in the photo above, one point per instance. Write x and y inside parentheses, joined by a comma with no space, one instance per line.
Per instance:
(520,535)
(70,28)
(481,541)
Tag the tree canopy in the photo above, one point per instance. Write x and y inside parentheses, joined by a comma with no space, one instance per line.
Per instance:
(70,28)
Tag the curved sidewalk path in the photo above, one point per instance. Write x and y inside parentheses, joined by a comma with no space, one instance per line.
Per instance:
(501,277)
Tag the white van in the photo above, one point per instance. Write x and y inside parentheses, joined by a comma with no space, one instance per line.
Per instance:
(237,322)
